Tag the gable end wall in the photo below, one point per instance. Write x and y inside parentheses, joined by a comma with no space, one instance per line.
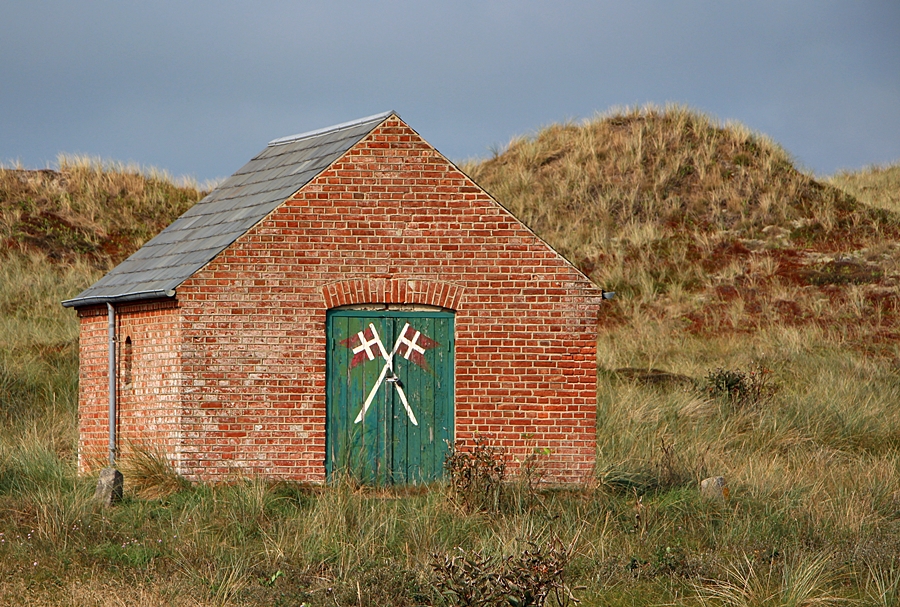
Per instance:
(392,220)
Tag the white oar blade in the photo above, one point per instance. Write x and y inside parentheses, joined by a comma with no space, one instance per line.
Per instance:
(405,402)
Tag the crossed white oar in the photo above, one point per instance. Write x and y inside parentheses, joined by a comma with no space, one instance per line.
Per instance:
(388,366)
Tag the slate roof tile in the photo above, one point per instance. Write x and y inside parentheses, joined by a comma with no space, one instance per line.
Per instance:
(240,202)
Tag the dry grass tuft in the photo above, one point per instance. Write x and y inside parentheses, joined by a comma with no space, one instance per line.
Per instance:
(149,475)
(799,581)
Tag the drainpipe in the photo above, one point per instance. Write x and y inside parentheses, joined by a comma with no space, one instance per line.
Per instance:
(112,384)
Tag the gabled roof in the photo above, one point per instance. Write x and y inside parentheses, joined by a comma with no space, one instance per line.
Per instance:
(240,202)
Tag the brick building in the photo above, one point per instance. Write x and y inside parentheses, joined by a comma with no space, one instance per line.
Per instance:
(347,299)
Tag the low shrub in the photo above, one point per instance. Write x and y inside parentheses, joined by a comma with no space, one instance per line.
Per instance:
(529,578)
(738,388)
(475,476)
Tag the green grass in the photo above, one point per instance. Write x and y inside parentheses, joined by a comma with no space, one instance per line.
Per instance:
(811,457)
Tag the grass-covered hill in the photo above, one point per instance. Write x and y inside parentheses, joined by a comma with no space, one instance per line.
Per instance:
(754,336)
(710,224)
(86,210)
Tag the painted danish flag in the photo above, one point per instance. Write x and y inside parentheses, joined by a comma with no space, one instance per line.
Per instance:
(410,344)
(365,345)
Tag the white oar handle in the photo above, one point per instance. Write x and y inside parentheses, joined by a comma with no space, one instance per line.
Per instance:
(365,407)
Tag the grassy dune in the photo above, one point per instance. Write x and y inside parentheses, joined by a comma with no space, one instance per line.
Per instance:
(877,186)
(754,336)
(708,227)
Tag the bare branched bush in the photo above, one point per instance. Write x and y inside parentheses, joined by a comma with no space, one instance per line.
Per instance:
(475,476)
(529,578)
(738,388)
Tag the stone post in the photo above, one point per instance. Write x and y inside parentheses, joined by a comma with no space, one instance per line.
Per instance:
(110,486)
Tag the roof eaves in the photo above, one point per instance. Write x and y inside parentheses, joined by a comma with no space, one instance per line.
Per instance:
(101,299)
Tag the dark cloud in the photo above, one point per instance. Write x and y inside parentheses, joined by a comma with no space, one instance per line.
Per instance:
(198,87)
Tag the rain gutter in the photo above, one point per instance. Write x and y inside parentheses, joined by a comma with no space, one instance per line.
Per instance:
(102,299)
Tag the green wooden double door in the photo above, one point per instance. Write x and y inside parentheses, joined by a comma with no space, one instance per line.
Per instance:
(389,395)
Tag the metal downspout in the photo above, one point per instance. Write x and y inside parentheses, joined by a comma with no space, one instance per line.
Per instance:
(112,384)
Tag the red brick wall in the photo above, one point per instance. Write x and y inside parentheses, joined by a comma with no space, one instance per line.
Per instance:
(147,406)
(93,393)
(392,221)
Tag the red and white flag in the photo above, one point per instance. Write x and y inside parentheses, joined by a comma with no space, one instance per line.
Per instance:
(366,345)
(413,344)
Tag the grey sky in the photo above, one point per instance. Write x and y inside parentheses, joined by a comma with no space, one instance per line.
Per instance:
(198,87)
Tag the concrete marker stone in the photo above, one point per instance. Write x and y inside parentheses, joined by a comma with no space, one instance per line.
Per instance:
(110,487)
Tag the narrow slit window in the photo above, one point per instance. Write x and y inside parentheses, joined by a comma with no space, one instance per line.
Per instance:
(127,361)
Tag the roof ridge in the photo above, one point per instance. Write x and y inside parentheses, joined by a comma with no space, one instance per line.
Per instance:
(328,129)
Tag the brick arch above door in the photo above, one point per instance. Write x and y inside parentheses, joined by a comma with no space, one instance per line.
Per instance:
(399,291)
